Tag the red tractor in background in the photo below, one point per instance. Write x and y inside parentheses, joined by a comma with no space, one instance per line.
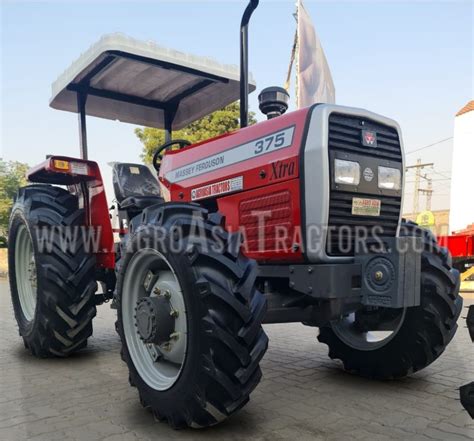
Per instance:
(294,219)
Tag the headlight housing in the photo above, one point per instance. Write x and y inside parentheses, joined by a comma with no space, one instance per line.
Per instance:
(390,178)
(346,172)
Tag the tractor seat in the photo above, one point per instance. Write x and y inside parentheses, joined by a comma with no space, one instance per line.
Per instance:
(135,187)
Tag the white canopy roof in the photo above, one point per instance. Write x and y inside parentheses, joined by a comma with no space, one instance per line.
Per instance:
(138,82)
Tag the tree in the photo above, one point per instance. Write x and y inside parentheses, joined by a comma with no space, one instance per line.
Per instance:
(12,177)
(217,123)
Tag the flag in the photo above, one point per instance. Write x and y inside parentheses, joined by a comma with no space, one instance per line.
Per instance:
(314,78)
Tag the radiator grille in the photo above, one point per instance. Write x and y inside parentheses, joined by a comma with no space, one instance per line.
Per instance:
(345,135)
(275,229)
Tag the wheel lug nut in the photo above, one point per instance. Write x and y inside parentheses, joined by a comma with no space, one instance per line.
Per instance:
(174,313)
(157,291)
(174,336)
(167,294)
(378,275)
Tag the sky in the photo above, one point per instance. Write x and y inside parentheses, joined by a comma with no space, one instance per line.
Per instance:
(411,61)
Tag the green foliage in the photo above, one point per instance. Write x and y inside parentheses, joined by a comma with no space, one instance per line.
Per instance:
(220,122)
(12,177)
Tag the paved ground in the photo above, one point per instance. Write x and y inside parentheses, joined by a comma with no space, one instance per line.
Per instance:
(304,395)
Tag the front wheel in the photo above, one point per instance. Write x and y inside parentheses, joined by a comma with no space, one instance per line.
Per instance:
(389,343)
(189,316)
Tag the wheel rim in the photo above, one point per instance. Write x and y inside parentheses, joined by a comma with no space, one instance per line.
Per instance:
(26,276)
(149,274)
(371,337)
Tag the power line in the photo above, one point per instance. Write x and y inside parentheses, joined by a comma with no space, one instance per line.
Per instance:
(434,171)
(441,174)
(427,178)
(437,194)
(429,145)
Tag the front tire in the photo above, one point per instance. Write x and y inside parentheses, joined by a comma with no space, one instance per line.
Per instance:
(420,334)
(201,367)
(52,288)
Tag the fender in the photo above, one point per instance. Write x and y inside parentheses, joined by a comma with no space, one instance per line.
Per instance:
(83,179)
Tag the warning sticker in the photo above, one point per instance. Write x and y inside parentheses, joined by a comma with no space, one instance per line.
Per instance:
(366,207)
(217,188)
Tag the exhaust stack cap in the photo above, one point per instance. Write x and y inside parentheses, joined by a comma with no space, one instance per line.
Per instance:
(273,101)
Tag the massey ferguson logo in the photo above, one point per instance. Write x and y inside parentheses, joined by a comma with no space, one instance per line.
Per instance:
(369,138)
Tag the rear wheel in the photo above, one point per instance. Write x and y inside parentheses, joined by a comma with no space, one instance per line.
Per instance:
(389,343)
(189,316)
(52,277)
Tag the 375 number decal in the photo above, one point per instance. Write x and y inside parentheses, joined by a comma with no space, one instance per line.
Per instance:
(274,141)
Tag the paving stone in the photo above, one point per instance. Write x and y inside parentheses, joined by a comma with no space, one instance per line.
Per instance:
(304,396)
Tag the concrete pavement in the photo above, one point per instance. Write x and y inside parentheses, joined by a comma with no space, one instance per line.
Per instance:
(303,396)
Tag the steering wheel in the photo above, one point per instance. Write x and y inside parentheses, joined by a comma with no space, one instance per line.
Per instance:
(157,157)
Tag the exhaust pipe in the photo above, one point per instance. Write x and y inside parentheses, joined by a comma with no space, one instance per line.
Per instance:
(244,62)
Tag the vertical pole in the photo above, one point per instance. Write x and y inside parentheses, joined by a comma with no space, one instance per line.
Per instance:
(429,194)
(297,54)
(244,62)
(168,135)
(169,117)
(416,196)
(81,107)
(244,76)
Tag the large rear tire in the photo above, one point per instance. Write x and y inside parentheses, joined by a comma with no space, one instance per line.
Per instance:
(200,367)
(52,277)
(420,334)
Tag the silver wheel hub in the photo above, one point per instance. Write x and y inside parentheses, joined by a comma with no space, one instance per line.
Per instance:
(25,272)
(154,319)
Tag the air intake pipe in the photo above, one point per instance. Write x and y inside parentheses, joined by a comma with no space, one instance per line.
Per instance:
(244,62)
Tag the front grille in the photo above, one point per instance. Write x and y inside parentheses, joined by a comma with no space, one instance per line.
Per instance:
(345,136)
(345,228)
(265,233)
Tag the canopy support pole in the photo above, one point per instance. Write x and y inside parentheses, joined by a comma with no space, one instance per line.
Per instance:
(81,107)
(170,113)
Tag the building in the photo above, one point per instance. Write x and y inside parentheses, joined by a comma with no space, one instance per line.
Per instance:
(462,176)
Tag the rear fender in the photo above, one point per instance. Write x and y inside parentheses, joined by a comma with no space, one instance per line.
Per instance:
(83,179)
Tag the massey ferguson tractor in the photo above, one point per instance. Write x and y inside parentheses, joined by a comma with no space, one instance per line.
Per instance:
(294,219)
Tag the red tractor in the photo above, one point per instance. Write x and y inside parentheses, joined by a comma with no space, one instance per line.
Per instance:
(294,219)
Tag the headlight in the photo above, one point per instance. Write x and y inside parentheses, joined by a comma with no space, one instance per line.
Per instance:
(390,178)
(346,172)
